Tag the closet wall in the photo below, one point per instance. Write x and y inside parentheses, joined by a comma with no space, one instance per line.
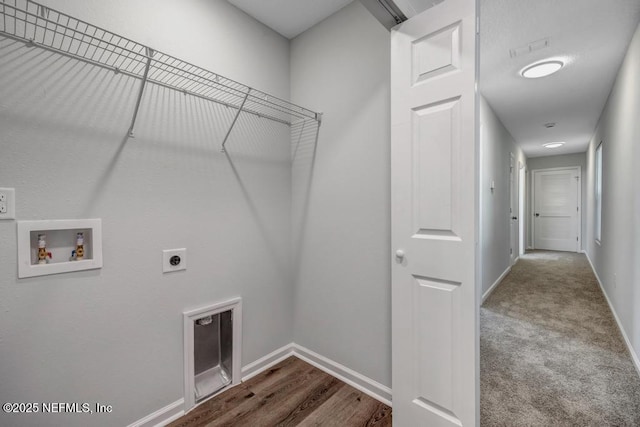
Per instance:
(343,277)
(114,335)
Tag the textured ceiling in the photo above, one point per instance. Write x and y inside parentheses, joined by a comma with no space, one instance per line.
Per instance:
(592,34)
(413,7)
(290,17)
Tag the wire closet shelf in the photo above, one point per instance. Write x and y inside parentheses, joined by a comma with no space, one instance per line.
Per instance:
(41,26)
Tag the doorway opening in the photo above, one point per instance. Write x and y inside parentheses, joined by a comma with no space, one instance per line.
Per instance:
(556,223)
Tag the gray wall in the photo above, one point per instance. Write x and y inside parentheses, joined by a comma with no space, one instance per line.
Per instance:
(616,259)
(496,144)
(343,293)
(114,335)
(565,160)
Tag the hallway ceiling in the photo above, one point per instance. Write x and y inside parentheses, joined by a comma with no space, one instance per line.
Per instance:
(593,34)
(290,17)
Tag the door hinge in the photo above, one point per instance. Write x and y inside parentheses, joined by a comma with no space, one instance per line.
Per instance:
(576,238)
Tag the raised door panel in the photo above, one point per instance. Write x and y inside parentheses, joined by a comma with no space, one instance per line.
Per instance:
(435,143)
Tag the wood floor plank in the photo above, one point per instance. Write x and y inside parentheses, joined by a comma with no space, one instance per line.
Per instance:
(350,407)
(278,399)
(311,402)
(236,398)
(290,393)
(273,378)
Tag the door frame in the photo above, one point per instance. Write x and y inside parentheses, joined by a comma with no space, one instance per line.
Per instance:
(578,170)
(522,179)
(514,187)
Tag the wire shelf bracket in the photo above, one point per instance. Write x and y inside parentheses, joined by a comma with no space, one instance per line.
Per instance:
(46,28)
(145,78)
(235,119)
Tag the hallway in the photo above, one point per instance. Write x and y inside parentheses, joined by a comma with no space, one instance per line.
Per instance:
(551,352)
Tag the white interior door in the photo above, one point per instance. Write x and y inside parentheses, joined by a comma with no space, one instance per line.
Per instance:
(513,208)
(434,218)
(556,209)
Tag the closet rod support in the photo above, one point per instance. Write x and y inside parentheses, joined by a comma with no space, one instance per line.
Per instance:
(226,137)
(145,76)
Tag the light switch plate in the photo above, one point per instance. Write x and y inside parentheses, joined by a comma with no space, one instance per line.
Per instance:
(174,260)
(7,203)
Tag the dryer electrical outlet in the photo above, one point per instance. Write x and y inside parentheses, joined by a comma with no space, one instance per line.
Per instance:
(174,260)
(7,203)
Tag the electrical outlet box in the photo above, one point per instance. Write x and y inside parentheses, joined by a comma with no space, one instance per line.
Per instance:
(7,203)
(174,260)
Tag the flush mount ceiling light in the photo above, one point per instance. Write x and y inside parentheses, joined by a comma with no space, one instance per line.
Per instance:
(553,144)
(541,69)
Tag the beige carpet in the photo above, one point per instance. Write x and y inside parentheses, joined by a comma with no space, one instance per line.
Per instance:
(551,353)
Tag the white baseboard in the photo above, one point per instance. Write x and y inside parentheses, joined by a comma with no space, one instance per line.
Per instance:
(264,363)
(366,385)
(496,283)
(162,416)
(634,355)
(380,392)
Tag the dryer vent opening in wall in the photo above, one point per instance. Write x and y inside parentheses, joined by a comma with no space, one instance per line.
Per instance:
(212,350)
(212,354)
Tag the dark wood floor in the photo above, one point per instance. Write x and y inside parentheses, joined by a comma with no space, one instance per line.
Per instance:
(291,393)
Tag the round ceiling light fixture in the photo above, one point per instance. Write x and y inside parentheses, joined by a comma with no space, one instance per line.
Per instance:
(553,144)
(541,69)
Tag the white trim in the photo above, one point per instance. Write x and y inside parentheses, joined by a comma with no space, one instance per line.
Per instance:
(234,304)
(366,385)
(496,283)
(513,184)
(634,355)
(162,416)
(522,215)
(264,363)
